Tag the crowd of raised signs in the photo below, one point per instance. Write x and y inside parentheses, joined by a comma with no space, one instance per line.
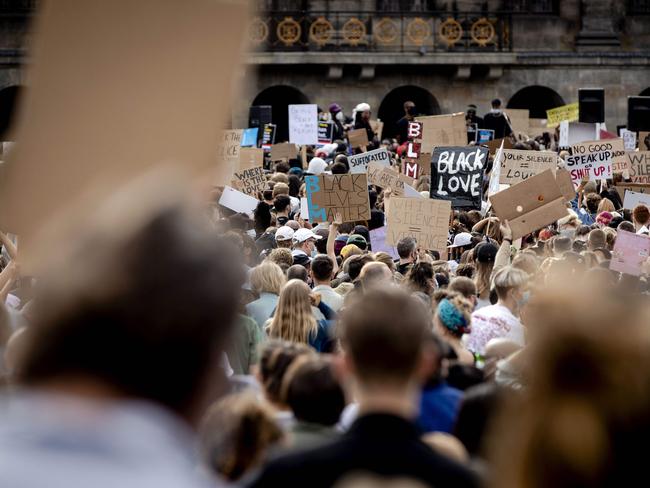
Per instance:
(436,307)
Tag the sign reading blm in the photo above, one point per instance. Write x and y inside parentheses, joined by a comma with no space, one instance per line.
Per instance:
(457,175)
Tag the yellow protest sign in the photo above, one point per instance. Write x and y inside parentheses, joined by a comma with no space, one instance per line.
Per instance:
(558,114)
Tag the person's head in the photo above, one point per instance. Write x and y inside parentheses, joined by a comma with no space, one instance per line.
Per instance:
(282,204)
(267,277)
(363,112)
(275,358)
(561,245)
(280,189)
(596,239)
(262,217)
(305,239)
(383,257)
(342,159)
(284,236)
(592,201)
(375,274)
(509,284)
(116,289)
(421,277)
(359,241)
(294,185)
(293,320)
(316,166)
(236,434)
(496,103)
(602,254)
(322,268)
(339,169)
(454,316)
(409,108)
(485,254)
(282,257)
(377,354)
(471,110)
(626,225)
(582,233)
(407,249)
(606,205)
(313,391)
(356,263)
(641,216)
(465,286)
(466,269)
(298,272)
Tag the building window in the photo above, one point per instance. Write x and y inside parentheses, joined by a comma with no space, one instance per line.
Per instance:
(531,6)
(638,7)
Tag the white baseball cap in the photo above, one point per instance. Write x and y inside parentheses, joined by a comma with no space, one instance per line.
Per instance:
(301,235)
(284,233)
(462,239)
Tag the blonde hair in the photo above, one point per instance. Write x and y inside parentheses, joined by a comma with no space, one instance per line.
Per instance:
(280,188)
(606,205)
(507,278)
(293,320)
(482,278)
(282,257)
(267,278)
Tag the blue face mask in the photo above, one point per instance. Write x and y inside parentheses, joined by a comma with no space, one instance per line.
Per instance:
(525,298)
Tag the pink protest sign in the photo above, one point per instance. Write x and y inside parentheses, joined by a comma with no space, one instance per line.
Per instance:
(630,251)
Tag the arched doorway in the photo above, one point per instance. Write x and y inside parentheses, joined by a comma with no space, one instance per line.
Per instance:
(392,106)
(645,93)
(537,99)
(8,103)
(279,97)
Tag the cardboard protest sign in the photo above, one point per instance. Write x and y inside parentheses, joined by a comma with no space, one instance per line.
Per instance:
(283,151)
(228,151)
(517,166)
(346,194)
(629,253)
(620,164)
(325,132)
(303,124)
(378,242)
(644,141)
(250,181)
(531,204)
(386,177)
(639,166)
(457,175)
(377,127)
(249,137)
(238,201)
(425,219)
(632,199)
(593,159)
(113,96)
(629,139)
(565,113)
(564,182)
(250,157)
(621,188)
(358,138)
(304,209)
(359,162)
(518,119)
(495,144)
(443,130)
(414,136)
(485,135)
(268,136)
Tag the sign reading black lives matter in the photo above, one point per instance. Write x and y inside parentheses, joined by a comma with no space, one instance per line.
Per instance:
(360,162)
(457,175)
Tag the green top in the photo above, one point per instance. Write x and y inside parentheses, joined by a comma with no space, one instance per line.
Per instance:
(243,348)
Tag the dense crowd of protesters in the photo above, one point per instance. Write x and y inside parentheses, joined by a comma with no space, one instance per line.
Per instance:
(303,357)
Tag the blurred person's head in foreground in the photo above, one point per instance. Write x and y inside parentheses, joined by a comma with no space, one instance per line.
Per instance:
(237,433)
(140,303)
(584,414)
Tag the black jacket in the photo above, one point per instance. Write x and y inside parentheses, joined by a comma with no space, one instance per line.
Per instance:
(377,444)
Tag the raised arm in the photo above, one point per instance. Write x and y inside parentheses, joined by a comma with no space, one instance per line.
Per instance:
(331,238)
(9,246)
(503,254)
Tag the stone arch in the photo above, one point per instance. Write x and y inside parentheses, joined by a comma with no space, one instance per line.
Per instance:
(279,97)
(9,97)
(391,108)
(537,99)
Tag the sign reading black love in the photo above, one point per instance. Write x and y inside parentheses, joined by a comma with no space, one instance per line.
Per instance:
(457,175)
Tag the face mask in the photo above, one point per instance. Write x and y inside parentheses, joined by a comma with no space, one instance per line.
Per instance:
(525,298)
(314,252)
(496,111)
(339,117)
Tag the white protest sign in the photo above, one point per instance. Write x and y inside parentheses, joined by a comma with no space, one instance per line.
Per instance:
(633,198)
(303,124)
(564,134)
(629,139)
(238,201)
(359,163)
(593,159)
(304,209)
(378,242)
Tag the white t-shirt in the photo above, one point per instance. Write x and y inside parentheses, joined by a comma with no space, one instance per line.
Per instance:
(493,322)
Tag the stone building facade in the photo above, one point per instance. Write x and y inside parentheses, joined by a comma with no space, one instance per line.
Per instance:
(442,54)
